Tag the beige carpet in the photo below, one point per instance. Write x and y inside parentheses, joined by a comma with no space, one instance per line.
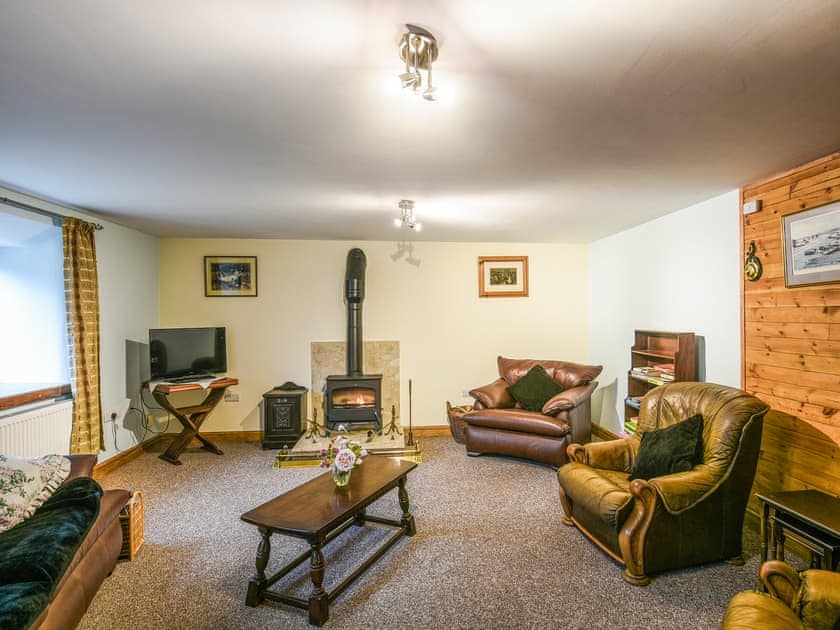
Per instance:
(490,553)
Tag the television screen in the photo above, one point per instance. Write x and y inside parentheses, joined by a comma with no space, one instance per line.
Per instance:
(186,352)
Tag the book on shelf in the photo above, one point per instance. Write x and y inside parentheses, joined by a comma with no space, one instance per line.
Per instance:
(633,401)
(664,367)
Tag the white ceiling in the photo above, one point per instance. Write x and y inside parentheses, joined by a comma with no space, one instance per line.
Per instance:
(562,121)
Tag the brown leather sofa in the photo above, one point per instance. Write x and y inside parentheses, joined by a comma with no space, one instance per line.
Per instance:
(810,599)
(679,519)
(498,425)
(94,560)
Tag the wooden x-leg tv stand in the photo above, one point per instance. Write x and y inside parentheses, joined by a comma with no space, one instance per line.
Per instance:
(192,417)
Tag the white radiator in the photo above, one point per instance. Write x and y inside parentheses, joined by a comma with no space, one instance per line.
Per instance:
(37,432)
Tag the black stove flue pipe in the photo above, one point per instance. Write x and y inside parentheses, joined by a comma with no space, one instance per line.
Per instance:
(354,295)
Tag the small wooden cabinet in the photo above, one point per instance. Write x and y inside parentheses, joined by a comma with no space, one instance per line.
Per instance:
(283,415)
(661,357)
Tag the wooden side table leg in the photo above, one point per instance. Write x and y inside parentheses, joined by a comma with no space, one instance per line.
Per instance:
(177,446)
(205,443)
(407,519)
(779,541)
(319,603)
(765,516)
(256,585)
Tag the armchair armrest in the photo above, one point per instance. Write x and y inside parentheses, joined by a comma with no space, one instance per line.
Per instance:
(568,399)
(81,465)
(494,396)
(612,455)
(684,490)
(814,595)
(782,581)
(818,598)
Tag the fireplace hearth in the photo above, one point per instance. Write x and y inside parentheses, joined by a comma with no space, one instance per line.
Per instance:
(354,398)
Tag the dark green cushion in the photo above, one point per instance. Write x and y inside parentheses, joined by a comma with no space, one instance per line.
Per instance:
(534,389)
(35,553)
(670,450)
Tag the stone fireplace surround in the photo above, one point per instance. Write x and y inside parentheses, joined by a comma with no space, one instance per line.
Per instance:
(329,358)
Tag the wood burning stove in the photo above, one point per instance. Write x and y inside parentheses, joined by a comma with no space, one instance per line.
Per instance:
(354,398)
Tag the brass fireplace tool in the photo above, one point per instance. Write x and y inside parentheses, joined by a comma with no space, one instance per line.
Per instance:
(393,427)
(313,429)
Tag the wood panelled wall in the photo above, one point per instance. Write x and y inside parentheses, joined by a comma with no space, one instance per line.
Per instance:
(792,341)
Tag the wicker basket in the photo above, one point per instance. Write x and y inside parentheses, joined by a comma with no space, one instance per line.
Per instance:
(131,520)
(456,420)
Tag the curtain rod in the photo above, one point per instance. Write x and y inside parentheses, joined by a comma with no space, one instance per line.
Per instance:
(41,211)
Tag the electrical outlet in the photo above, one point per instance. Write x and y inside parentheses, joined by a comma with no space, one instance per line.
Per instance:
(231,396)
(465,393)
(111,415)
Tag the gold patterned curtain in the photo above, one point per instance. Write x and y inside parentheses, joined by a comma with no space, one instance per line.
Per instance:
(81,295)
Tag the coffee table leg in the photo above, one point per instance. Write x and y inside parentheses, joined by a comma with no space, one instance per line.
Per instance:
(257,584)
(319,603)
(407,519)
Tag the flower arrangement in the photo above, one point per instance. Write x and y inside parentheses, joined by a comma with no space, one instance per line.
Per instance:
(342,456)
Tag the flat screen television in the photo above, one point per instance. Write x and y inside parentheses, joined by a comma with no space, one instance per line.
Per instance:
(182,353)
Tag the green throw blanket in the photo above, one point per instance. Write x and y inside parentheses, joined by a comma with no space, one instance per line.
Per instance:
(35,553)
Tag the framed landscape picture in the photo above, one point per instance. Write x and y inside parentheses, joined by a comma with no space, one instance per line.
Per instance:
(811,241)
(503,276)
(230,276)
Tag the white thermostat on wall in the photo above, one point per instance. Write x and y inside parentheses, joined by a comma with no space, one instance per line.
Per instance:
(752,206)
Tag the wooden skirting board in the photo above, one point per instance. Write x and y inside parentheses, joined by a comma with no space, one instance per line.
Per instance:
(603,434)
(123,457)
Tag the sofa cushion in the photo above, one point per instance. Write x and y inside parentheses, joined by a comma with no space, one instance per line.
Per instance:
(602,492)
(674,449)
(518,420)
(566,374)
(35,553)
(534,389)
(25,483)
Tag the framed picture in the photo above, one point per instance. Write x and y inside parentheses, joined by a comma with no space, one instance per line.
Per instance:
(811,242)
(230,276)
(502,276)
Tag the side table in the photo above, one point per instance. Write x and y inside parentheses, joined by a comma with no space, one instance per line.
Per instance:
(810,517)
(191,417)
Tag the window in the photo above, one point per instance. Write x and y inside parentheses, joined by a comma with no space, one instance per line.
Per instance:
(33,330)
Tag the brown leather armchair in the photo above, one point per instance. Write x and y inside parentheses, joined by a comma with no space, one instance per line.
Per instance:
(498,425)
(679,519)
(810,599)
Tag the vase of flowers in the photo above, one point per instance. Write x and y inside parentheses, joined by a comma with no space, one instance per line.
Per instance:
(341,457)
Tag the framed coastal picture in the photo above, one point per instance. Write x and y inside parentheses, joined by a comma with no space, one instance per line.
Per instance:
(230,276)
(811,240)
(503,276)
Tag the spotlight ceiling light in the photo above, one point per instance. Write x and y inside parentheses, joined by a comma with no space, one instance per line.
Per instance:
(407,218)
(418,48)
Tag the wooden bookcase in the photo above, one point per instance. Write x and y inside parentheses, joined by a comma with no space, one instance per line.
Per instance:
(657,347)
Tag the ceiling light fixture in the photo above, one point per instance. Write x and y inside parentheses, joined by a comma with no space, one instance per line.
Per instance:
(407,218)
(418,48)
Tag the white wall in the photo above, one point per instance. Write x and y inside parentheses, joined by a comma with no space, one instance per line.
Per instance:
(127,262)
(678,272)
(449,337)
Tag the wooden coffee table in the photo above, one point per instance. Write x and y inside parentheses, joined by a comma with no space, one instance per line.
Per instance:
(317,511)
